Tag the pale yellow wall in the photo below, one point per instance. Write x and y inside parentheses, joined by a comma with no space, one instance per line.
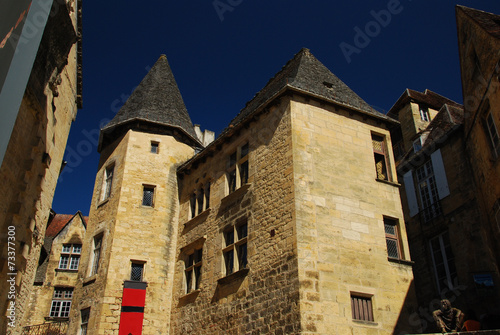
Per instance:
(28,184)
(264,300)
(339,218)
(41,296)
(135,232)
(90,289)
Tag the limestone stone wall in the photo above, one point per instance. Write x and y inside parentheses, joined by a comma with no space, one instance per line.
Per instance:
(468,251)
(481,87)
(340,207)
(28,178)
(133,232)
(412,123)
(41,296)
(262,298)
(89,292)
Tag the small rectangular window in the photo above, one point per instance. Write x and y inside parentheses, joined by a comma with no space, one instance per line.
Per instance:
(362,309)
(238,171)
(192,205)
(200,199)
(381,157)
(96,254)
(148,193)
(392,238)
(207,195)
(192,270)
(61,302)
(136,271)
(84,315)
(424,114)
(155,146)
(108,182)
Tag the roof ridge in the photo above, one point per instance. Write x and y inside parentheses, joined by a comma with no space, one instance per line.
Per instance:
(304,72)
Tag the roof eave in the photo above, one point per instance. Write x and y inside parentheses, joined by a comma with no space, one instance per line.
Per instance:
(109,129)
(235,127)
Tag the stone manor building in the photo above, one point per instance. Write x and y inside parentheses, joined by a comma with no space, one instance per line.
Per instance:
(289,222)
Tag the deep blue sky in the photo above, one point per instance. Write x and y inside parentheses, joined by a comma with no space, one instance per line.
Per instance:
(221,64)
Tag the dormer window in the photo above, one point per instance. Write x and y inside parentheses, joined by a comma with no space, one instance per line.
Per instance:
(424,114)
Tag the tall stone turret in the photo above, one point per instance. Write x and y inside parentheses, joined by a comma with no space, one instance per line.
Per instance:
(127,261)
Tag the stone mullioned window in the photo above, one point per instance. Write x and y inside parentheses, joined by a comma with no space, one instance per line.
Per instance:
(70,257)
(237,171)
(235,248)
(200,200)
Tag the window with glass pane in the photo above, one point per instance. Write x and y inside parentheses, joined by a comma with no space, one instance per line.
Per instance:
(70,257)
(96,254)
(108,182)
(381,157)
(424,114)
(148,196)
(136,271)
(235,250)
(428,192)
(155,147)
(192,270)
(84,315)
(61,302)
(192,205)
(200,199)
(443,261)
(392,238)
(237,173)
(207,196)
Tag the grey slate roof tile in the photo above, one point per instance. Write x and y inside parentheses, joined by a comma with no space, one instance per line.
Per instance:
(306,73)
(158,100)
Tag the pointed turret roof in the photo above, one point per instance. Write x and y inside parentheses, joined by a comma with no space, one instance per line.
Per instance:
(488,21)
(307,74)
(156,102)
(303,74)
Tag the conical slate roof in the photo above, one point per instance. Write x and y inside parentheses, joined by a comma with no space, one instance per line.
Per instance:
(488,21)
(306,73)
(157,100)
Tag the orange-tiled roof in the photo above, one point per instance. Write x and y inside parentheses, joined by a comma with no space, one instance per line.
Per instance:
(59,222)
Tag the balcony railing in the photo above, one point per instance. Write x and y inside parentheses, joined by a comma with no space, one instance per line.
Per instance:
(49,328)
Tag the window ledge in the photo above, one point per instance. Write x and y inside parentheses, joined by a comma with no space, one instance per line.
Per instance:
(102,202)
(198,218)
(366,323)
(388,182)
(236,194)
(401,261)
(89,280)
(233,276)
(190,295)
(53,318)
(67,270)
